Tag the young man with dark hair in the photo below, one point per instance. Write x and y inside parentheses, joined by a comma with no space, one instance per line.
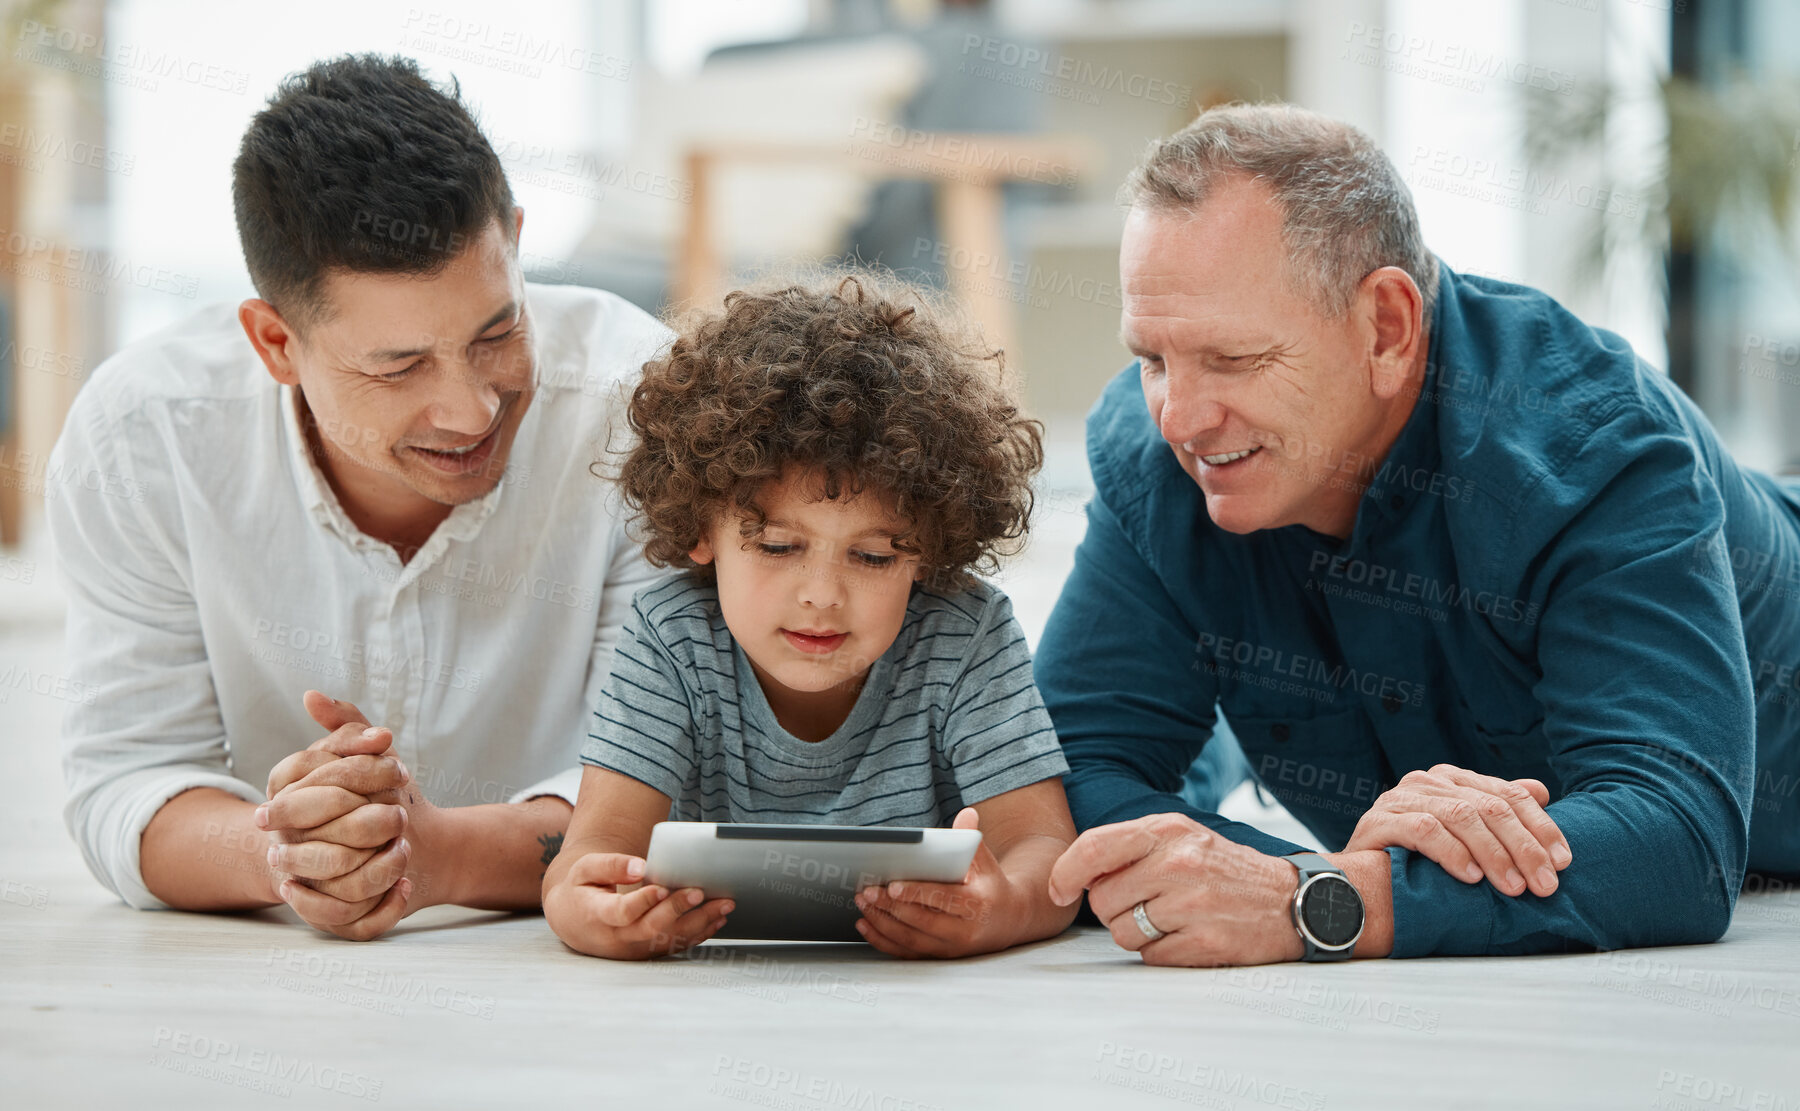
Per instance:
(394,505)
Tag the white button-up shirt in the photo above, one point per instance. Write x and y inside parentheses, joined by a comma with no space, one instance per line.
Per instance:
(213,577)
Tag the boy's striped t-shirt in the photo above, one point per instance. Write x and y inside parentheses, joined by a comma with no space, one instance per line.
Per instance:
(949,716)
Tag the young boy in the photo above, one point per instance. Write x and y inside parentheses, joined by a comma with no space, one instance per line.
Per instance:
(827,466)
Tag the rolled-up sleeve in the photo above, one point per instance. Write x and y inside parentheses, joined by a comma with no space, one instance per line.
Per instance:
(146,725)
(1648,714)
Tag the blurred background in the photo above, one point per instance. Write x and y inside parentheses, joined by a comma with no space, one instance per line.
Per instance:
(1634,159)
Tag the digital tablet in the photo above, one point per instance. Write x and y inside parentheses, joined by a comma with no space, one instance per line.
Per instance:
(799,883)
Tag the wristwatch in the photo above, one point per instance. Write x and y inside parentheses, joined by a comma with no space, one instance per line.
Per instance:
(1327,910)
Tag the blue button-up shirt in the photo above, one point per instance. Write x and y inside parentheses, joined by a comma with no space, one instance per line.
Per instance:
(1556,572)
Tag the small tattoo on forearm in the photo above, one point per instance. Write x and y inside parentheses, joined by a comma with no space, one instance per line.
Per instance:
(552,843)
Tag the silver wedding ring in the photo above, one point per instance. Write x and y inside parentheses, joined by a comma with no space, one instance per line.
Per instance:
(1151,933)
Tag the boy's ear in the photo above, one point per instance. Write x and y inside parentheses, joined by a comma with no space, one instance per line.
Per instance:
(702,552)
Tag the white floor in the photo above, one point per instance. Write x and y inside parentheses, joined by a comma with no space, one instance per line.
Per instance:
(101,1006)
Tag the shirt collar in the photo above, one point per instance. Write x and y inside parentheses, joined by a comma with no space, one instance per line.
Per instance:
(315,493)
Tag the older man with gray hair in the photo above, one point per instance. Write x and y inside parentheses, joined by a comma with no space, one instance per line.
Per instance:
(1488,605)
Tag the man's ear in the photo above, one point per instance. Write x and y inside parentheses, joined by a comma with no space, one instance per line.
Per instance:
(1395,312)
(518,223)
(274,340)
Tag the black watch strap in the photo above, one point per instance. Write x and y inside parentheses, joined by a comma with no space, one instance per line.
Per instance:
(1311,866)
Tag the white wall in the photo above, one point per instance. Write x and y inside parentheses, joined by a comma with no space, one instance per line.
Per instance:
(1442,87)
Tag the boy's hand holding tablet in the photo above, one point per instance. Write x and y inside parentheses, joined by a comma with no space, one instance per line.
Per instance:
(984,913)
(622,918)
(594,894)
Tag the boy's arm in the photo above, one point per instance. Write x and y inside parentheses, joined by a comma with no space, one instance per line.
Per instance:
(613,814)
(592,894)
(1028,830)
(635,762)
(1005,898)
(998,740)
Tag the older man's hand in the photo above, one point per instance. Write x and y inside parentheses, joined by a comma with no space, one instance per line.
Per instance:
(1216,901)
(1471,825)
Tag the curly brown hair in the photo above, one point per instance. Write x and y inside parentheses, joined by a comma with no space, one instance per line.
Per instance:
(863,380)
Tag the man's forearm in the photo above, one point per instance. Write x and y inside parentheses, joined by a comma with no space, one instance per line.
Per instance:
(1643,874)
(202,851)
(1368,870)
(492,857)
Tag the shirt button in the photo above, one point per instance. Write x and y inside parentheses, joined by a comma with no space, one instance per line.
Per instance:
(1278,732)
(1392,703)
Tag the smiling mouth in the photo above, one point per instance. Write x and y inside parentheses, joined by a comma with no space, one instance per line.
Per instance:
(462,460)
(456,450)
(1223,458)
(817,643)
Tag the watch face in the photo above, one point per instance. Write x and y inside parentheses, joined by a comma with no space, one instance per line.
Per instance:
(1332,910)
